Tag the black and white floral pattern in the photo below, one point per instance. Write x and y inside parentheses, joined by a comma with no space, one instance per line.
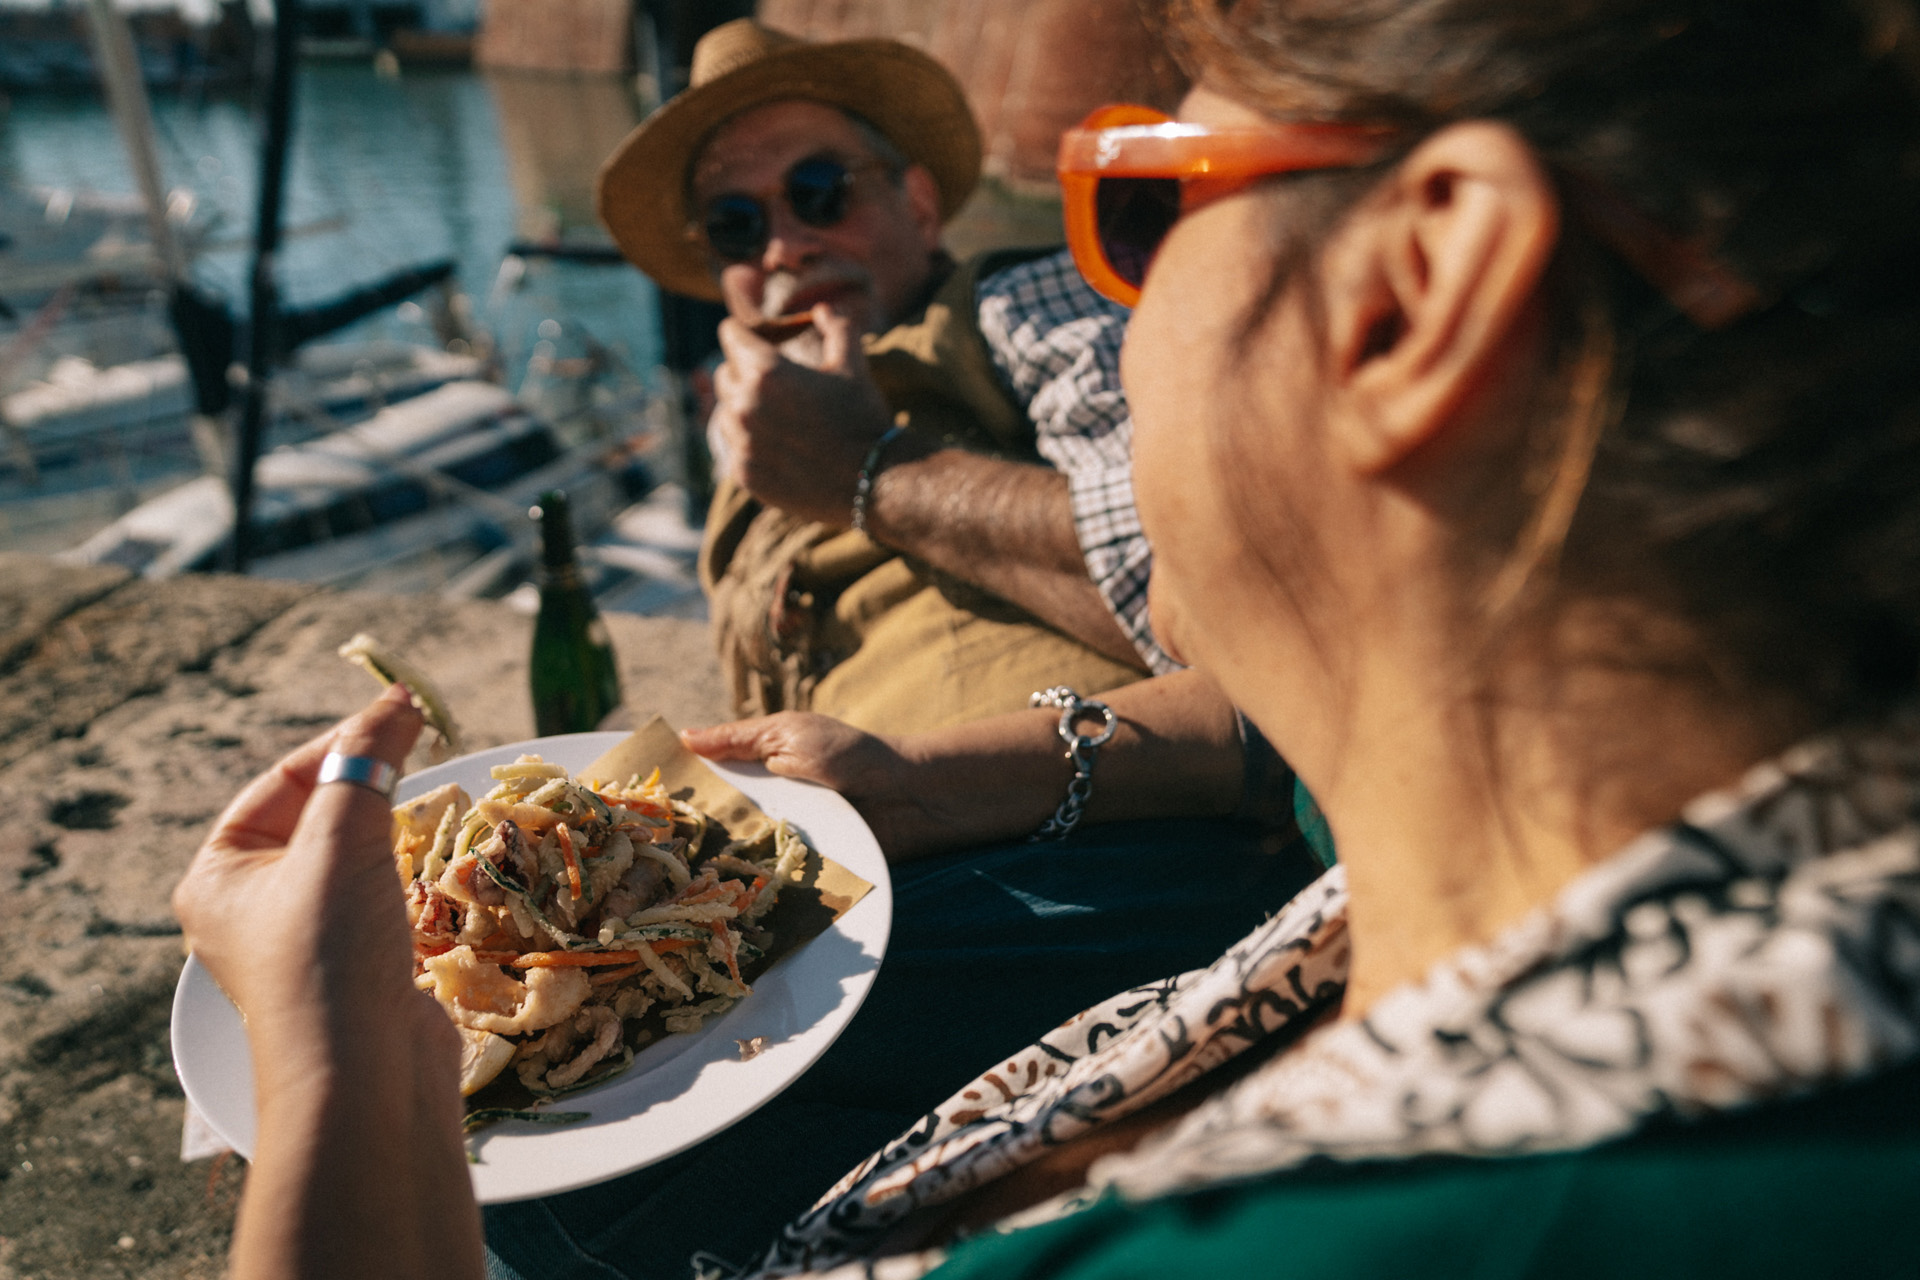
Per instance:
(1765,945)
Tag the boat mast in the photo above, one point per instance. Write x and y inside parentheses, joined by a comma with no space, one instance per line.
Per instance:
(200,320)
(263,315)
(133,116)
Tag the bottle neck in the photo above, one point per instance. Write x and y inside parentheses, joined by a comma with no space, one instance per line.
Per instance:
(561,577)
(556,552)
(556,537)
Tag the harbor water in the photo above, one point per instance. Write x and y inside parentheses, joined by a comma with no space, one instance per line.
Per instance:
(384,172)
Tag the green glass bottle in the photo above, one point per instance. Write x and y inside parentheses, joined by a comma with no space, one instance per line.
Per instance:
(573,676)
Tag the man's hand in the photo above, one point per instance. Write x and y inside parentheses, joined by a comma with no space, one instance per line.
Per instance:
(794,436)
(867,769)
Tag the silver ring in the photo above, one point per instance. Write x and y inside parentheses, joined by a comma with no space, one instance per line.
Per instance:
(362,771)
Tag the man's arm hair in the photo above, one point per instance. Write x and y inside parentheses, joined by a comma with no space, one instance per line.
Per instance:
(1056,343)
(1004,526)
(794,435)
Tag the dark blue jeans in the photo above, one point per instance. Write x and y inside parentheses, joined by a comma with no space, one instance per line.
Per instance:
(990,950)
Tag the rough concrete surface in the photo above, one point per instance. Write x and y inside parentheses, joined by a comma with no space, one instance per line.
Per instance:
(129,713)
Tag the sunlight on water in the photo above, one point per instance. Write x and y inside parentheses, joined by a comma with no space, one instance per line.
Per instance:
(384,173)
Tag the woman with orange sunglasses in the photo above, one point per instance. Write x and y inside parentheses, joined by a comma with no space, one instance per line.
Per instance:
(1528,433)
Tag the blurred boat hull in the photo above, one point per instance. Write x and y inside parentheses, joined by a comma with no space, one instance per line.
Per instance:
(399,502)
(83,444)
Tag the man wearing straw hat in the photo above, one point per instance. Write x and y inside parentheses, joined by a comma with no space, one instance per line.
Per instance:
(919,461)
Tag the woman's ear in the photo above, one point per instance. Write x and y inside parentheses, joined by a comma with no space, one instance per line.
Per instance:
(1425,282)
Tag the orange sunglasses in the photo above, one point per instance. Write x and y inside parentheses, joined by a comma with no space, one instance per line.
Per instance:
(1128,173)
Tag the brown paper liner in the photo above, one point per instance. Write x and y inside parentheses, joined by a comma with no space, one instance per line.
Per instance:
(821,893)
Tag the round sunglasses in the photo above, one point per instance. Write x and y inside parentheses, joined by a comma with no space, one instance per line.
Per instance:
(818,190)
(1128,173)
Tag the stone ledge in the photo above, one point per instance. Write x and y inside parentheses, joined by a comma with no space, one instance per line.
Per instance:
(129,713)
(36,592)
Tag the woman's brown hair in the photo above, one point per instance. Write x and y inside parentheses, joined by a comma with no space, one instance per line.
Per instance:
(1760,476)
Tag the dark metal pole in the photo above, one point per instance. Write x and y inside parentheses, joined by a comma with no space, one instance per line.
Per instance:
(688,326)
(261,343)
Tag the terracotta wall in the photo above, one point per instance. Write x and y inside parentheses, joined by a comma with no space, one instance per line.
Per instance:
(1031,67)
(556,132)
(573,36)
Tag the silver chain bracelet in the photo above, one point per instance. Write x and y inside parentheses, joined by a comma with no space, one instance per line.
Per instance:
(1081,749)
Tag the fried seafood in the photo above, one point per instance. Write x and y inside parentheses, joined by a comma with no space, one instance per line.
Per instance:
(562,922)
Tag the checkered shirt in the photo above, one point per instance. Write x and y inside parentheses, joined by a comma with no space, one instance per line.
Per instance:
(1057,343)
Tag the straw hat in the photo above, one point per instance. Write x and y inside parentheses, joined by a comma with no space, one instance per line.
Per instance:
(641,194)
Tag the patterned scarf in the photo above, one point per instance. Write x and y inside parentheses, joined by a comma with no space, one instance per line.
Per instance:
(1765,945)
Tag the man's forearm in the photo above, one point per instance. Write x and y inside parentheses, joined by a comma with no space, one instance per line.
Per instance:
(1175,751)
(1004,526)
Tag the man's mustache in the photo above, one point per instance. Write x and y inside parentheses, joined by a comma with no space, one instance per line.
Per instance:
(782,287)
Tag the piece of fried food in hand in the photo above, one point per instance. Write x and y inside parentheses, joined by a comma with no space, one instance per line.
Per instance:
(366,652)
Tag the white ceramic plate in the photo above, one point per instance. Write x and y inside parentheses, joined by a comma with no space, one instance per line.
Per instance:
(678,1091)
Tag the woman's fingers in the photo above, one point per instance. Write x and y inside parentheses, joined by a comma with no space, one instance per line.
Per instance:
(297,878)
(265,813)
(385,731)
(253,833)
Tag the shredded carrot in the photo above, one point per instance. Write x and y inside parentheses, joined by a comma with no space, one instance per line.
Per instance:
(555,959)
(719,928)
(567,856)
(703,890)
(744,894)
(630,794)
(657,816)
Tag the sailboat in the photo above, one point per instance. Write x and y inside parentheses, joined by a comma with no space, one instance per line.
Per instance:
(400,502)
(426,493)
(114,363)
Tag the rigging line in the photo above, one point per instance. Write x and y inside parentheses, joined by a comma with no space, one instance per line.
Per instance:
(449,488)
(163,129)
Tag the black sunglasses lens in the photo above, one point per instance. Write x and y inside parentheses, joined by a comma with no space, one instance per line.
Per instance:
(817,191)
(1134,216)
(736,227)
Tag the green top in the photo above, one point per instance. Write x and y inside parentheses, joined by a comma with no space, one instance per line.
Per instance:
(1826,1187)
(1313,825)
